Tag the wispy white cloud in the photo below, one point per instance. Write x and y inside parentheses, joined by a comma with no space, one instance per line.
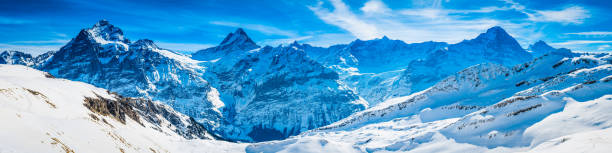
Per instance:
(268,30)
(592,33)
(374,7)
(431,21)
(410,25)
(342,17)
(603,47)
(574,14)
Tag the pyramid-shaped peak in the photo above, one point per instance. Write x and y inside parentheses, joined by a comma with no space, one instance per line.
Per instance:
(541,43)
(295,43)
(240,31)
(496,29)
(496,34)
(540,47)
(238,39)
(385,37)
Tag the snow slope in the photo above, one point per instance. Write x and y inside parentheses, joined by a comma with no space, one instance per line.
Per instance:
(45,114)
(576,114)
(382,69)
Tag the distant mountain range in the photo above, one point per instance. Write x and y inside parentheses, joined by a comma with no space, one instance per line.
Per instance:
(240,91)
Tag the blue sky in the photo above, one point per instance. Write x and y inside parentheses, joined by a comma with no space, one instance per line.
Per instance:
(36,26)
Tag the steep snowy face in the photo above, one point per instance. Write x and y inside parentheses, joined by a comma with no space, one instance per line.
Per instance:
(104,32)
(382,55)
(381,69)
(555,99)
(494,46)
(275,92)
(50,114)
(571,119)
(373,68)
(16,57)
(103,57)
(374,56)
(236,41)
(482,85)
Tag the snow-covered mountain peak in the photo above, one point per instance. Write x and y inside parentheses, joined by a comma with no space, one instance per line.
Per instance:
(104,32)
(540,48)
(102,22)
(295,43)
(143,44)
(16,57)
(378,41)
(540,45)
(497,35)
(385,38)
(238,40)
(235,43)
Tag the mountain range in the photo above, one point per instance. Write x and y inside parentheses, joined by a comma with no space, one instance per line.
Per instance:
(486,93)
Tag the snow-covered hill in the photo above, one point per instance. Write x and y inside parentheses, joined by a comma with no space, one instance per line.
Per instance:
(45,114)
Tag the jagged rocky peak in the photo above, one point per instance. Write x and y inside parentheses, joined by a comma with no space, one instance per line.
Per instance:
(235,43)
(383,42)
(238,40)
(16,57)
(294,43)
(102,32)
(143,44)
(107,31)
(297,45)
(385,38)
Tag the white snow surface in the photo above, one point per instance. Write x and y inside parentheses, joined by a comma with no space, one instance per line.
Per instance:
(42,114)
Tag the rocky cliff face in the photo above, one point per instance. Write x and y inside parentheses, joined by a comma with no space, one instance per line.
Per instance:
(103,57)
(275,92)
(16,57)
